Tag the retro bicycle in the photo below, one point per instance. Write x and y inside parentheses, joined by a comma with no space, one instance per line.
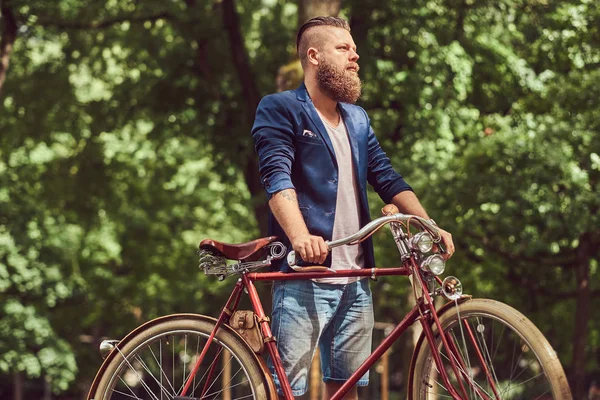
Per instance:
(469,348)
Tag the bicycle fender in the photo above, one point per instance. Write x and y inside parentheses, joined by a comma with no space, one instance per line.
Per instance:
(263,365)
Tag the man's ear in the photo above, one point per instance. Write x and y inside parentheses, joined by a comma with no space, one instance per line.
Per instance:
(312,55)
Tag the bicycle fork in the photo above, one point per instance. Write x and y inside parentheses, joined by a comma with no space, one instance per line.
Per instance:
(458,365)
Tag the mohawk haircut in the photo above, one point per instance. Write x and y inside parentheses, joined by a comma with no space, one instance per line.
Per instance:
(305,38)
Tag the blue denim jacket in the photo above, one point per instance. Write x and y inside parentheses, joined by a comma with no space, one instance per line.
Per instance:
(295,152)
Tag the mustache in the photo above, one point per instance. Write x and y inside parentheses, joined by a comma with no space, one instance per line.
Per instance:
(354,66)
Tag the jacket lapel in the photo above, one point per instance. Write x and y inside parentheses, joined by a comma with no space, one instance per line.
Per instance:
(310,109)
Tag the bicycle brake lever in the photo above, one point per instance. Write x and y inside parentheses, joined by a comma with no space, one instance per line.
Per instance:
(442,248)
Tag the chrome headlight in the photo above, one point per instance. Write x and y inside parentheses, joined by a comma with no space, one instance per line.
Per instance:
(434,264)
(422,241)
(107,346)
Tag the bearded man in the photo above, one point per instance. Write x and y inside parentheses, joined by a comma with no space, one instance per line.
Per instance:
(317,152)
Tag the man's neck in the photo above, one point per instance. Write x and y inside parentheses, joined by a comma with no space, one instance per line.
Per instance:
(324,104)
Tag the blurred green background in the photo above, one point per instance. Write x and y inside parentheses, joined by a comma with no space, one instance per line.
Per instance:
(125,140)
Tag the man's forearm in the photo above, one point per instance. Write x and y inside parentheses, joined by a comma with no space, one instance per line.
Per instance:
(284,206)
(408,203)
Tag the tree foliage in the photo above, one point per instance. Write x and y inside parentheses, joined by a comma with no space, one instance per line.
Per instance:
(125,140)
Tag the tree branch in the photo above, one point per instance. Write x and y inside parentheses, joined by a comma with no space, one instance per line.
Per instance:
(240,58)
(105,23)
(9,35)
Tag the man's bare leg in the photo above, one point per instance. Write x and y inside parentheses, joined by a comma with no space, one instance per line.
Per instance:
(331,388)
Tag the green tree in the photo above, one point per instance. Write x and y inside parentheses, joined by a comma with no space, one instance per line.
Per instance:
(125,140)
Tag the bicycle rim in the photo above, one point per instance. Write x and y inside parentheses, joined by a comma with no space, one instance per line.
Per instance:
(157,363)
(500,354)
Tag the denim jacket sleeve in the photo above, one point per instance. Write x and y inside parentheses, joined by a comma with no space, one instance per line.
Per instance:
(273,141)
(380,173)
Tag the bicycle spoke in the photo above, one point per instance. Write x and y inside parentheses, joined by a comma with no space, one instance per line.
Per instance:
(152,375)
(144,385)
(498,347)
(512,362)
(462,333)
(204,375)
(220,373)
(159,364)
(523,382)
(184,359)
(125,383)
(541,396)
(222,390)
(185,379)
(173,360)
(162,372)
(438,382)
(197,351)
(127,395)
(512,374)
(485,347)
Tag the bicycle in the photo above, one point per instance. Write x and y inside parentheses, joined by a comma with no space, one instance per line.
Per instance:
(487,350)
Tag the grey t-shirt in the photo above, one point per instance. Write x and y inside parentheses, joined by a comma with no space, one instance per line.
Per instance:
(347,211)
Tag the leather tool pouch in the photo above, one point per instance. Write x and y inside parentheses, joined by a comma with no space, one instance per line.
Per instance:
(245,323)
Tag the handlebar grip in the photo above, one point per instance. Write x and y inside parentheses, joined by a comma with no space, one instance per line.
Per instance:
(293,259)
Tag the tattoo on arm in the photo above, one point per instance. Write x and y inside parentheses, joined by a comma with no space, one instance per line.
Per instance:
(289,195)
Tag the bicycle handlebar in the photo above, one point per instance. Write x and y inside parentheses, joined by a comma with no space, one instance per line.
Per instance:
(370,229)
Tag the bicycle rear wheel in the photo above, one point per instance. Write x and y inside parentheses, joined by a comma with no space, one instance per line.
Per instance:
(487,335)
(156,363)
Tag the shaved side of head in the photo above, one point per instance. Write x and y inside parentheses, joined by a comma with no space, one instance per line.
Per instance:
(313,34)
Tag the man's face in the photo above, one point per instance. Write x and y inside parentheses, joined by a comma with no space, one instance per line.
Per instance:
(337,71)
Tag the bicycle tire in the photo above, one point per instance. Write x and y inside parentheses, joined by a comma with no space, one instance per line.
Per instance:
(536,368)
(137,369)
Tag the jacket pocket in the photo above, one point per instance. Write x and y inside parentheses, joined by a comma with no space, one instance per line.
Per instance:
(309,140)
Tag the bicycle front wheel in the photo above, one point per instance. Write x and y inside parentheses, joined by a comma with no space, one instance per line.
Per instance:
(500,354)
(157,362)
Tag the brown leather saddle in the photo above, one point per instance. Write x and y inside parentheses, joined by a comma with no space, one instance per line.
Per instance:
(249,251)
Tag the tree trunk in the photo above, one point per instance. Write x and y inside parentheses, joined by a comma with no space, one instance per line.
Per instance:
(259,198)
(582,314)
(18,386)
(9,35)
(47,389)
(251,97)
(308,9)
(291,75)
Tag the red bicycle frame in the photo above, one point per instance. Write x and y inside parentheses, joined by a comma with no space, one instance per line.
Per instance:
(424,312)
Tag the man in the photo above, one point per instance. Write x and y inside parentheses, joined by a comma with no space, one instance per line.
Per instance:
(316,153)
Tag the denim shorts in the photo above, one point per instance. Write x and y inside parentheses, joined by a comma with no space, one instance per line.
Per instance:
(337,317)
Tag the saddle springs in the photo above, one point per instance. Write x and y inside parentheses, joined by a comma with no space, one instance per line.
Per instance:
(214,263)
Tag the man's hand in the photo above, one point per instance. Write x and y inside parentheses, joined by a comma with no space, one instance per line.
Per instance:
(448,243)
(311,248)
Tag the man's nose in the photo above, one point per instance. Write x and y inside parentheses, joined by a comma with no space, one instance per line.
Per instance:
(354,55)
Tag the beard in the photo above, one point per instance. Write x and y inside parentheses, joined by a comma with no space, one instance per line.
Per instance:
(339,84)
